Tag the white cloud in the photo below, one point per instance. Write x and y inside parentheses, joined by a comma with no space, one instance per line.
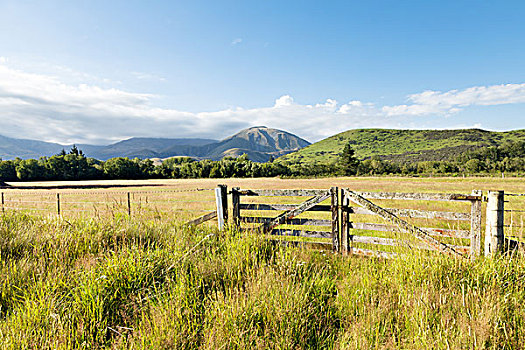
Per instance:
(453,101)
(3,59)
(45,108)
(147,76)
(236,41)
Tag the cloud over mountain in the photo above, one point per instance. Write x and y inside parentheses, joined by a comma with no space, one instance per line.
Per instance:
(43,107)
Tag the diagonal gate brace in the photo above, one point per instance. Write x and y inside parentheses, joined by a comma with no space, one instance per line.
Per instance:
(402,224)
(290,214)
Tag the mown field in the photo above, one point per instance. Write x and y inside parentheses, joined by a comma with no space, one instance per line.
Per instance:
(148,282)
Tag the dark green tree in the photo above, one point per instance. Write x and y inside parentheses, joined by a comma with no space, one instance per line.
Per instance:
(348,162)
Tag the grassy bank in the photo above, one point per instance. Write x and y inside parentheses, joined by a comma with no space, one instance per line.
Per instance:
(144,285)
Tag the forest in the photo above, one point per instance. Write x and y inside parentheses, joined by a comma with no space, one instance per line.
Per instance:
(75,165)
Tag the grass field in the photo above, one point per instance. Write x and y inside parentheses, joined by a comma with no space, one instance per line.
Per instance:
(147,282)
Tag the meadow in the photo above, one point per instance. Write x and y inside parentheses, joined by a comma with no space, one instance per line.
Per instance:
(150,282)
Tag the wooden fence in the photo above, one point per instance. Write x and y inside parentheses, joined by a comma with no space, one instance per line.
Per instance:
(347,221)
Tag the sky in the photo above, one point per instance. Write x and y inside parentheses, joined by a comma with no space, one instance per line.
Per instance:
(101,71)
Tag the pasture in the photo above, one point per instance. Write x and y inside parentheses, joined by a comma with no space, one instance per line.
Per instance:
(98,278)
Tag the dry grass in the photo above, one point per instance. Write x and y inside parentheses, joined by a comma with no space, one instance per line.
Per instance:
(149,283)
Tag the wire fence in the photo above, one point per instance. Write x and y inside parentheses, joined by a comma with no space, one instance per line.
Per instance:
(515,215)
(176,204)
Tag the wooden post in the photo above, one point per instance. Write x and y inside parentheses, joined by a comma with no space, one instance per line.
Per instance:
(224,199)
(345,227)
(220,208)
(129,204)
(3,209)
(475,225)
(58,204)
(236,207)
(334,192)
(494,234)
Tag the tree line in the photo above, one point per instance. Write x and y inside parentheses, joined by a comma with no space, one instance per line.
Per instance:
(74,165)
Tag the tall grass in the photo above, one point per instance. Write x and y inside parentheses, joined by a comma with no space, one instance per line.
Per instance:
(150,285)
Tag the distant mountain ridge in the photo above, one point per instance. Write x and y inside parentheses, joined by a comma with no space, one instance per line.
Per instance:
(259,143)
(402,145)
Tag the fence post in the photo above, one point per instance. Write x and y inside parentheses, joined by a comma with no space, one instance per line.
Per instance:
(129,204)
(475,224)
(335,218)
(58,204)
(494,234)
(345,228)
(220,208)
(236,207)
(3,209)
(224,199)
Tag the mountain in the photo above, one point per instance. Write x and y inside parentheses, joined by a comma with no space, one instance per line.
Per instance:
(142,147)
(259,143)
(402,145)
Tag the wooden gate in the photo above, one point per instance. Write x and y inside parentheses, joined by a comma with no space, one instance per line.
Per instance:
(350,223)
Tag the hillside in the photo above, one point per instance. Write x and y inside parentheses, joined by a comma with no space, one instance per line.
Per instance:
(402,145)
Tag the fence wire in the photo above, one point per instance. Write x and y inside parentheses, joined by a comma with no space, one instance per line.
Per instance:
(107,202)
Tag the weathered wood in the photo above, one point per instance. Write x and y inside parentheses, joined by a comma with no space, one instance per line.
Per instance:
(236,208)
(395,242)
(282,218)
(412,213)
(203,218)
(475,225)
(418,196)
(494,234)
(58,204)
(345,224)
(301,233)
(283,193)
(220,209)
(3,202)
(403,225)
(295,221)
(280,207)
(296,243)
(427,214)
(129,204)
(440,232)
(334,202)
(224,199)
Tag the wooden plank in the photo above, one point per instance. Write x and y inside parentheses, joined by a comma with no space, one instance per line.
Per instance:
(203,218)
(334,200)
(280,207)
(283,193)
(301,233)
(390,228)
(236,208)
(475,226)
(412,213)
(405,226)
(224,199)
(345,224)
(418,196)
(220,209)
(282,218)
(295,221)
(296,243)
(374,240)
(494,229)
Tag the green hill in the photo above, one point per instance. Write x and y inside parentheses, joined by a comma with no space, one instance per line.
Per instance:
(401,145)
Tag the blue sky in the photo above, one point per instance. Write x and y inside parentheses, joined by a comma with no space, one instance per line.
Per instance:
(100,71)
